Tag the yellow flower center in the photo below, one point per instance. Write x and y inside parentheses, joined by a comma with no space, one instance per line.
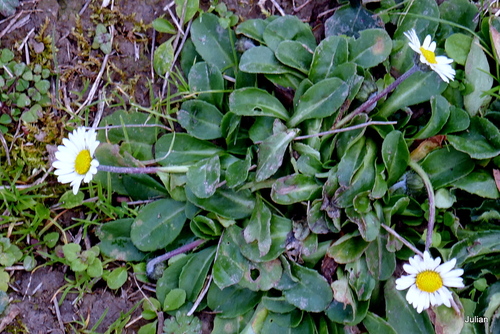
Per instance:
(82,162)
(429,281)
(429,55)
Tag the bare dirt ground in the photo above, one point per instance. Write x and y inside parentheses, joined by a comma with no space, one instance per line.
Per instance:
(60,33)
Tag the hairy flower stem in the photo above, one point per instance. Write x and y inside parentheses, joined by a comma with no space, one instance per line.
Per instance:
(143,170)
(377,97)
(432,203)
(150,267)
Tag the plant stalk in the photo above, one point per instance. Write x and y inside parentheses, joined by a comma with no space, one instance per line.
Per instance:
(150,267)
(377,97)
(432,203)
(143,170)
(403,240)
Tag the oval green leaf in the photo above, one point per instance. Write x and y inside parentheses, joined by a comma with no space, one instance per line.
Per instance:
(295,188)
(261,59)
(481,140)
(158,224)
(479,183)
(203,177)
(395,155)
(418,88)
(175,298)
(226,202)
(331,52)
(440,113)
(271,152)
(371,48)
(116,243)
(214,43)
(321,100)
(446,165)
(206,77)
(295,55)
(252,101)
(477,73)
(183,149)
(229,265)
(200,119)
(311,293)
(194,273)
(116,278)
(288,28)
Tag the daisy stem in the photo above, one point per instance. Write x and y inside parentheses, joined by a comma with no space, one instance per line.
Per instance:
(152,264)
(403,240)
(143,170)
(377,97)
(432,205)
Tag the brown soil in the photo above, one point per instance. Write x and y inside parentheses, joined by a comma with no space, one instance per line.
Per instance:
(71,25)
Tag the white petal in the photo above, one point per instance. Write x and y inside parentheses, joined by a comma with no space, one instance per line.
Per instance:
(410,269)
(454,273)
(404,282)
(71,146)
(423,301)
(417,263)
(76,186)
(67,178)
(443,60)
(446,267)
(434,299)
(427,43)
(432,47)
(412,294)
(58,164)
(414,41)
(436,263)
(456,282)
(445,296)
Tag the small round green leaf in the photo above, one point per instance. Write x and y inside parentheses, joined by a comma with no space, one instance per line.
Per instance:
(116,278)
(174,299)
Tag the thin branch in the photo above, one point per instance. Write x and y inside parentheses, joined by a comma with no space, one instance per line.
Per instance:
(278,7)
(403,240)
(432,204)
(97,81)
(152,264)
(349,128)
(377,97)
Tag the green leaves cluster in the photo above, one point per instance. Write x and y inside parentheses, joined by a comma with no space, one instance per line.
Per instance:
(294,219)
(24,90)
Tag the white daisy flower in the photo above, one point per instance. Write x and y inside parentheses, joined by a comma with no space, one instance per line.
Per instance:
(75,162)
(439,64)
(428,281)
